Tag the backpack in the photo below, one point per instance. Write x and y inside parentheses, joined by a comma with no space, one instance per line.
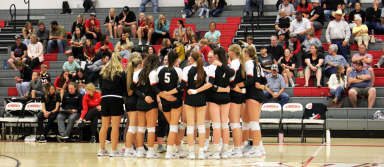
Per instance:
(314,111)
(66,9)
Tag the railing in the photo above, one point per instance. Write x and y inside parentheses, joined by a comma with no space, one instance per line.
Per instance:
(251,21)
(28,8)
(13,16)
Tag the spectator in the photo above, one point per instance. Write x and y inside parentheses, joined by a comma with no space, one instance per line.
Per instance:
(141,19)
(359,81)
(275,86)
(161,29)
(248,4)
(288,67)
(352,3)
(77,44)
(35,52)
(332,60)
(310,41)
(94,69)
(205,49)
(71,65)
(124,46)
(356,13)
(81,79)
(42,36)
(316,16)
(213,36)
(281,40)
(294,46)
(79,23)
(314,61)
(111,23)
(22,83)
(127,22)
(304,7)
(62,82)
(50,109)
(45,77)
(180,50)
(189,8)
(178,32)
(166,47)
(249,42)
(57,37)
(144,2)
(289,9)
(366,58)
(91,109)
(150,50)
(219,8)
(71,106)
(192,46)
(337,84)
(27,32)
(283,23)
(104,46)
(275,50)
(373,15)
(330,6)
(89,51)
(35,89)
(204,7)
(189,33)
(146,30)
(266,60)
(87,4)
(339,6)
(300,26)
(92,28)
(360,32)
(338,33)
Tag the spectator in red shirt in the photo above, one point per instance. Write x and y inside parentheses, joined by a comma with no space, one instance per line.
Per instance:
(146,29)
(89,51)
(103,46)
(304,7)
(294,46)
(92,28)
(205,49)
(61,82)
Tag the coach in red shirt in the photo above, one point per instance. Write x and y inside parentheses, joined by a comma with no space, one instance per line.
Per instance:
(92,28)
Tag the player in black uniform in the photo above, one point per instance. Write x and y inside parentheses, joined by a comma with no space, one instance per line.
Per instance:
(254,97)
(113,84)
(207,116)
(288,67)
(219,75)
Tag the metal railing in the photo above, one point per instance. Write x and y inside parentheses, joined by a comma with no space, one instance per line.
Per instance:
(13,16)
(27,2)
(251,19)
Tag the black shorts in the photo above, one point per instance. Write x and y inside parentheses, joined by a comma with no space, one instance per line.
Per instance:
(197,100)
(255,94)
(130,107)
(238,99)
(112,106)
(142,105)
(220,101)
(174,105)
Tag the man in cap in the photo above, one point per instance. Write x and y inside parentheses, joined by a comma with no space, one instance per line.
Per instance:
(316,16)
(18,52)
(338,33)
(294,46)
(92,28)
(366,58)
(127,22)
(331,6)
(281,40)
(275,86)
(57,37)
(144,2)
(359,81)
(373,15)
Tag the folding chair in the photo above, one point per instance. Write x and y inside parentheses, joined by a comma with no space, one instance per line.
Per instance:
(307,121)
(13,107)
(295,111)
(274,115)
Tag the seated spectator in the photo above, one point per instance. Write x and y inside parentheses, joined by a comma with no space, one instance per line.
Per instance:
(104,46)
(189,33)
(27,32)
(35,89)
(150,50)
(366,58)
(316,16)
(189,8)
(356,13)
(213,36)
(204,7)
(373,15)
(35,52)
(180,50)
(22,83)
(360,32)
(91,109)
(300,26)
(311,40)
(42,35)
(331,6)
(332,60)
(45,77)
(94,69)
(193,46)
(219,8)
(92,28)
(314,62)
(124,46)
(275,86)
(281,40)
(304,7)
(57,37)
(337,84)
(338,33)
(81,79)
(275,50)
(266,60)
(146,30)
(248,4)
(359,81)
(50,109)
(339,6)
(141,19)
(288,67)
(205,49)
(88,4)
(161,29)
(111,23)
(145,2)
(289,9)
(352,3)
(283,23)
(127,22)
(294,46)
(179,31)
(249,42)
(166,47)
(77,44)
(71,65)
(71,106)
(61,83)
(89,51)
(79,23)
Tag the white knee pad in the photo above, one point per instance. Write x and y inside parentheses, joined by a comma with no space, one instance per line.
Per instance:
(254,125)
(190,129)
(245,126)
(224,125)
(207,123)
(234,125)
(182,125)
(173,128)
(142,129)
(201,128)
(151,129)
(133,129)
(195,126)
(216,125)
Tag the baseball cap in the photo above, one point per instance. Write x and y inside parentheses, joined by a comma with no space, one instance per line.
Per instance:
(125,9)
(274,67)
(280,33)
(293,35)
(17,36)
(93,14)
(54,22)
(359,62)
(314,1)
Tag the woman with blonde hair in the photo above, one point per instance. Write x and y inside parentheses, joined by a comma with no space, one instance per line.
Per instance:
(35,52)
(79,23)
(188,35)
(111,23)
(28,31)
(161,29)
(113,84)
(146,29)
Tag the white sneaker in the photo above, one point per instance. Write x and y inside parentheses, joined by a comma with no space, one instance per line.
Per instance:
(140,43)
(230,150)
(247,148)
(123,149)
(147,43)
(221,144)
(224,155)
(254,152)
(110,37)
(115,154)
(206,146)
(170,155)
(182,154)
(262,150)
(214,156)
(201,155)
(152,155)
(103,153)
(237,154)
(192,155)
(140,153)
(130,152)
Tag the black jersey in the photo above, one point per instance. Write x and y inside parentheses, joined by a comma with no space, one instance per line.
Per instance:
(219,77)
(254,73)
(165,80)
(113,88)
(288,62)
(237,78)
(132,100)
(143,90)
(189,78)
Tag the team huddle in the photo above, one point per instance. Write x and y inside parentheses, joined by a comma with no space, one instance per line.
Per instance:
(229,88)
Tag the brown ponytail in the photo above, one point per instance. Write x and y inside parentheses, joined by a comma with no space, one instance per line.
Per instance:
(221,54)
(131,65)
(196,55)
(172,58)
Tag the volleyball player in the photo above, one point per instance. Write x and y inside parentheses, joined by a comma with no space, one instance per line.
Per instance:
(112,84)
(207,116)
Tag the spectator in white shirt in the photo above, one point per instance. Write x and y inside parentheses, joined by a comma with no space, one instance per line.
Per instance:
(338,33)
(300,26)
(337,83)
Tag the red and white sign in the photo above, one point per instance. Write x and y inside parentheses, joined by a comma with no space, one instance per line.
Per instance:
(33,106)
(293,107)
(14,106)
(271,107)
(309,106)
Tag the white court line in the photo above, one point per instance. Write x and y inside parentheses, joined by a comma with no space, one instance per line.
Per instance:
(314,155)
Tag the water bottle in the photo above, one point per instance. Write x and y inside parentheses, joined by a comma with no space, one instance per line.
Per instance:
(373,32)
(5,64)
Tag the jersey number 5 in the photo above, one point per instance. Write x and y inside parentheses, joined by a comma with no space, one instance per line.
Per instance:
(167,79)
